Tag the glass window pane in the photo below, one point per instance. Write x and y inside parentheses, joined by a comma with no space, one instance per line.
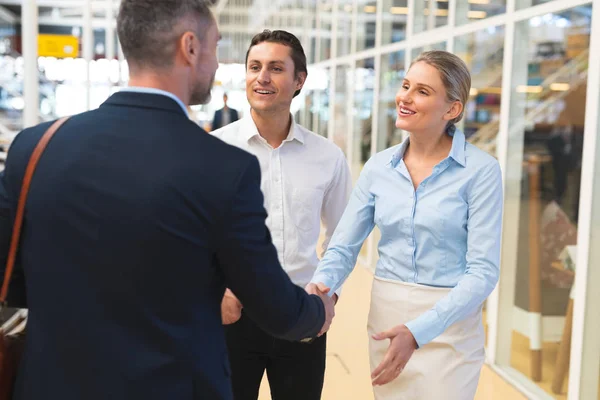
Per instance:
(483,52)
(312,54)
(364,75)
(547,120)
(395,14)
(309,14)
(392,73)
(474,10)
(308,105)
(325,31)
(340,133)
(317,86)
(529,3)
(430,15)
(436,46)
(365,31)
(344,20)
(320,108)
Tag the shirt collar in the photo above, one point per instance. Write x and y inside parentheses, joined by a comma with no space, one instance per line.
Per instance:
(249,130)
(139,89)
(457,151)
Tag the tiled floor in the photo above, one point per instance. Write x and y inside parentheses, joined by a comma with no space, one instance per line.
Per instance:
(347,375)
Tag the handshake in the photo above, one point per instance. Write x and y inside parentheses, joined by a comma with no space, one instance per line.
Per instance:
(322,291)
(231,308)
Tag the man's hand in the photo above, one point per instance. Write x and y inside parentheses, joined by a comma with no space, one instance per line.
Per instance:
(402,346)
(231,308)
(329,302)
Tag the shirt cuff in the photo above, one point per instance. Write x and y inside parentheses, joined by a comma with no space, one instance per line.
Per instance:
(338,292)
(426,327)
(327,281)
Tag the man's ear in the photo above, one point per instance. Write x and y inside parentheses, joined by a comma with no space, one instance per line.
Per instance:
(300,80)
(189,47)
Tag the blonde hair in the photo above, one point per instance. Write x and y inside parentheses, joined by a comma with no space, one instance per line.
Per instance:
(455,76)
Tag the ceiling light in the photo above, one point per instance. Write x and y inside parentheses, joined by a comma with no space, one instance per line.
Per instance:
(477,14)
(491,90)
(529,89)
(399,10)
(438,12)
(560,87)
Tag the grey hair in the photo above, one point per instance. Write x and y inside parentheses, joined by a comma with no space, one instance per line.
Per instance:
(455,77)
(148,30)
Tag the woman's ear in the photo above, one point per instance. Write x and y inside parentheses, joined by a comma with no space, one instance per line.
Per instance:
(454,111)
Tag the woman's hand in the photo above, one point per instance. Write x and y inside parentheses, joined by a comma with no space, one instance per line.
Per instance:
(402,346)
(321,290)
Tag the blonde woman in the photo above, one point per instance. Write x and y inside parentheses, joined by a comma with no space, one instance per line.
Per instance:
(437,201)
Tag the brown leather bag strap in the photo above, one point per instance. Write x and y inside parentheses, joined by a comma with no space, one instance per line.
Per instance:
(16,233)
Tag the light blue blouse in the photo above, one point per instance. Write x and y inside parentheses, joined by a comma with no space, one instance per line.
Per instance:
(444,234)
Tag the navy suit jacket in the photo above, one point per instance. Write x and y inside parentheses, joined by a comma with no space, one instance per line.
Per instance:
(136,221)
(218,118)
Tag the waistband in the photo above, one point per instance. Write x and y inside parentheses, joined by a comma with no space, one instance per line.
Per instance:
(412,285)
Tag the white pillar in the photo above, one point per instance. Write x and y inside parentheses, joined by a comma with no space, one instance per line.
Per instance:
(306,29)
(318,35)
(462,12)
(110,31)
(585,347)
(510,143)
(29,27)
(417,9)
(431,18)
(88,48)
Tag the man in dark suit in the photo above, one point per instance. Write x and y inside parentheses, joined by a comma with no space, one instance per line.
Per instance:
(224,116)
(135,223)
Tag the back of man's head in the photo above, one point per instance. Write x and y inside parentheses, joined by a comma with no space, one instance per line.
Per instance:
(149,29)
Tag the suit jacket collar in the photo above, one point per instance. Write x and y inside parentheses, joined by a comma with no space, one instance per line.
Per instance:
(144,100)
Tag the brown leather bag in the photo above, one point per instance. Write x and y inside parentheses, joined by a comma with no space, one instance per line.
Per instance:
(12,332)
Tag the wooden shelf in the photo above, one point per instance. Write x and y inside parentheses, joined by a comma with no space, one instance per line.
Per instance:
(475,124)
(488,106)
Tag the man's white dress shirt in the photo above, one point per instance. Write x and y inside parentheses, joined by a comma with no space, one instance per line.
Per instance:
(306,181)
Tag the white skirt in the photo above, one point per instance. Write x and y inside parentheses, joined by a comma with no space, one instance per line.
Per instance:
(447,368)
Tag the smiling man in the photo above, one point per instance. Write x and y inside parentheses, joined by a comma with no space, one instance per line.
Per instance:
(305,181)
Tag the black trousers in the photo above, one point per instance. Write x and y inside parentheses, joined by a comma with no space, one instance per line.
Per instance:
(295,370)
